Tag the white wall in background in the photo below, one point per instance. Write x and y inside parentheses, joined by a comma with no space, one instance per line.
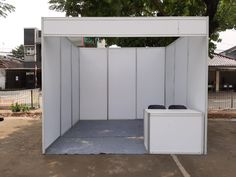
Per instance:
(150,78)
(122,83)
(135,80)
(93,84)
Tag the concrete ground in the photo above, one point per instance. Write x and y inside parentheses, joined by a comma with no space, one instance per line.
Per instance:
(20,156)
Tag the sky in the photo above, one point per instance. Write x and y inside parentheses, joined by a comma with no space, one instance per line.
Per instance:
(28,13)
(228,40)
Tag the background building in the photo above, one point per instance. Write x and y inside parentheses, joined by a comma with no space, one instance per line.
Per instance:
(18,74)
(32,56)
(15,76)
(32,47)
(11,75)
(222,73)
(231,53)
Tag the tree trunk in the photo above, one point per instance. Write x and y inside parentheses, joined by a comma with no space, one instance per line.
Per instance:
(211,11)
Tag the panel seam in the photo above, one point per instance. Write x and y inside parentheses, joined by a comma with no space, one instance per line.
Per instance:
(187,71)
(60,87)
(107,83)
(71,83)
(136,83)
(79,73)
(165,69)
(174,74)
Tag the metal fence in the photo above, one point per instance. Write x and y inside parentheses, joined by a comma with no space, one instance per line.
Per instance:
(221,100)
(29,97)
(216,100)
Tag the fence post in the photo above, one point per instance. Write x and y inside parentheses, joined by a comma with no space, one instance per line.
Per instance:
(32,104)
(232,100)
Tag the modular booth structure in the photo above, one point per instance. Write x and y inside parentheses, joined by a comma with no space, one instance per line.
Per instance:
(95,100)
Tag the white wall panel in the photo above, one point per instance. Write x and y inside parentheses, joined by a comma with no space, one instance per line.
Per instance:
(66,90)
(75,84)
(181,71)
(177,72)
(176,133)
(169,74)
(197,73)
(197,78)
(122,84)
(150,78)
(51,90)
(93,84)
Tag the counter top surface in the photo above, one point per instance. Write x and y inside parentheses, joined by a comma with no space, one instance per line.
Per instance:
(172,111)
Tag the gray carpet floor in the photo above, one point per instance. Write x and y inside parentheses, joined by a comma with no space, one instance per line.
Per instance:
(101,137)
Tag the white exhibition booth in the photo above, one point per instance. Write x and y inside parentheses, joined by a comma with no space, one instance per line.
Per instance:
(120,83)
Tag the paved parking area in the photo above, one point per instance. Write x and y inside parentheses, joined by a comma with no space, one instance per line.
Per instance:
(221,158)
(20,156)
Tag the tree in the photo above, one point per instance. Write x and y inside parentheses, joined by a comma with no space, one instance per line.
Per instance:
(5,8)
(18,52)
(222,14)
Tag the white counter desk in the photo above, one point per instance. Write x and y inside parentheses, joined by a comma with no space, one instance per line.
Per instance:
(176,131)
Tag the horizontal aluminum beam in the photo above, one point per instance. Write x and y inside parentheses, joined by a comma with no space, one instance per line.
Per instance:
(124,26)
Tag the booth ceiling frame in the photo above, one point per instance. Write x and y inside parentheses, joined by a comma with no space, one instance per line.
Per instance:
(125,27)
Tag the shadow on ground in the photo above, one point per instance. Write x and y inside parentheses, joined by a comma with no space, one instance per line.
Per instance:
(20,155)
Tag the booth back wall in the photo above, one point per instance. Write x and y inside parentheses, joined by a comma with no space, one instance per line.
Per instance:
(120,83)
(93,84)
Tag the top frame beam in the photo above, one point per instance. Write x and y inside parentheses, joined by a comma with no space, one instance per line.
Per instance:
(124,26)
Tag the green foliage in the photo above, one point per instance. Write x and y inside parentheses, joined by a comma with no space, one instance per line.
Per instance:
(226,15)
(90,42)
(18,52)
(25,108)
(5,8)
(222,14)
(140,42)
(19,107)
(15,107)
